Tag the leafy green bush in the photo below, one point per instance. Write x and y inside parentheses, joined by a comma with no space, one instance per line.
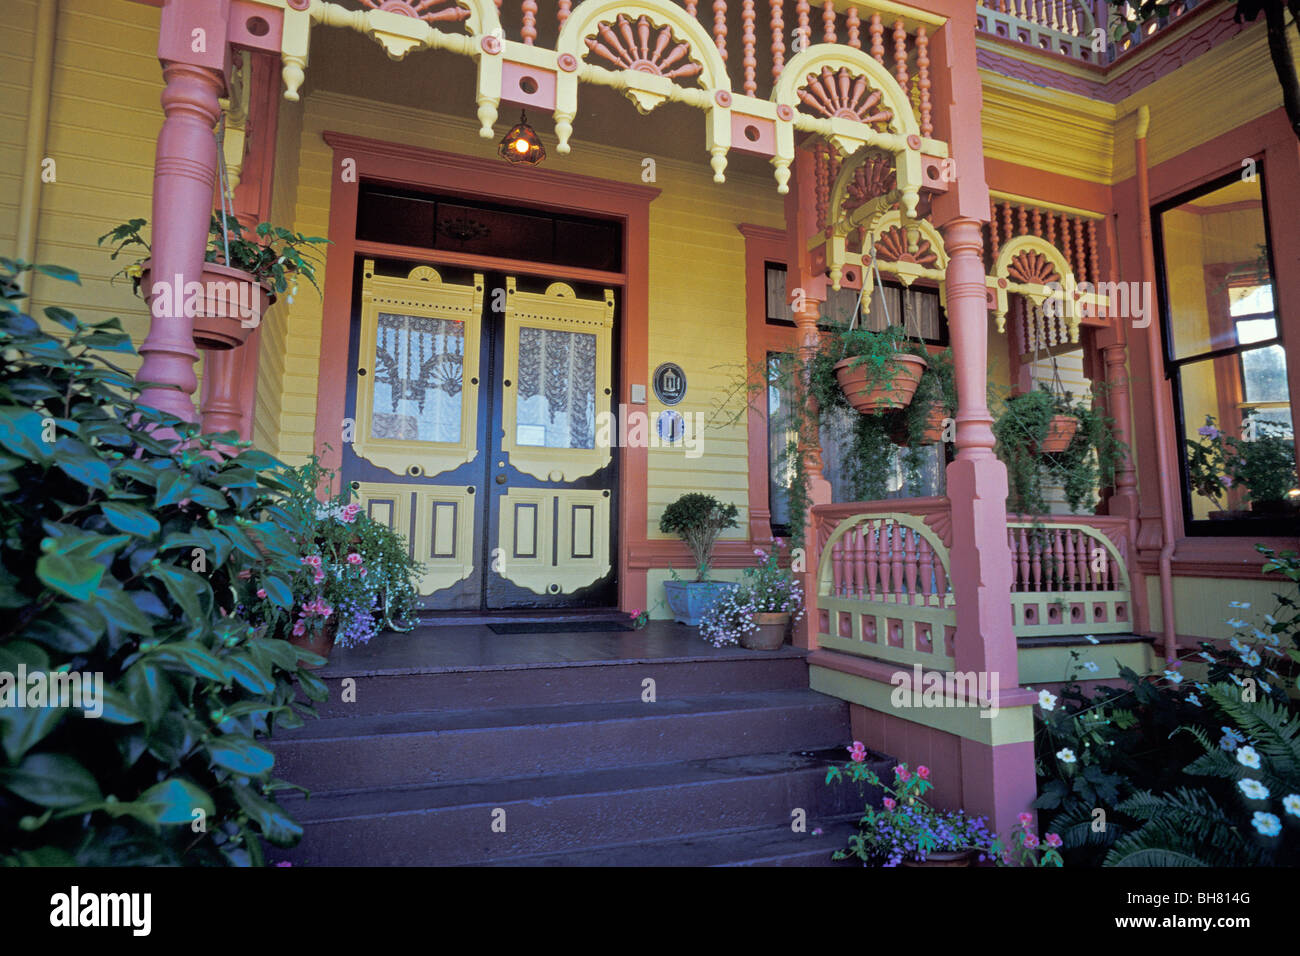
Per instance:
(119,551)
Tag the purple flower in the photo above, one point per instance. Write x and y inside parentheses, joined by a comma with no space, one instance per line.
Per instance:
(1209,431)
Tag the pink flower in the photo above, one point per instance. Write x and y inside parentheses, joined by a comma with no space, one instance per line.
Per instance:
(300,628)
(1026,819)
(923,772)
(1031,841)
(363,572)
(858,752)
(889,803)
(245,574)
(902,773)
(354,558)
(312,560)
(779,542)
(350,513)
(1052,839)
(318,577)
(261,592)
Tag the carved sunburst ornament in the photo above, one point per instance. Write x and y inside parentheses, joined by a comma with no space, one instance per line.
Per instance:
(629,46)
(873,178)
(841,95)
(1032,268)
(430,11)
(892,247)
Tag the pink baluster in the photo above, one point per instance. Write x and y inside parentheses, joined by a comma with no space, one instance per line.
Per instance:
(778,38)
(873,549)
(805,31)
(900,53)
(720,27)
(877,31)
(1011,544)
(1037,564)
(1071,558)
(1087,578)
(909,564)
(855,28)
(837,565)
(828,21)
(926,562)
(896,559)
(750,62)
(529,29)
(1023,551)
(860,560)
(690,7)
(1058,560)
(565,8)
(923,78)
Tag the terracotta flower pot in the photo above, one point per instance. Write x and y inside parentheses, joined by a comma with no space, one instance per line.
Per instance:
(318,642)
(950,858)
(233,305)
(771,632)
(1060,432)
(871,398)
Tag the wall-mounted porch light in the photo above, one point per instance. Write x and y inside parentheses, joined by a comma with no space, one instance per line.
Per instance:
(522,144)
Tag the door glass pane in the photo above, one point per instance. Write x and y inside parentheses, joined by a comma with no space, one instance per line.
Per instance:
(419,372)
(557,389)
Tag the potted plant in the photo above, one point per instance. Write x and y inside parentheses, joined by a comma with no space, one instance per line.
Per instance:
(905,830)
(355,576)
(756,614)
(242,275)
(935,402)
(879,371)
(1263,464)
(697,519)
(1207,467)
(1029,426)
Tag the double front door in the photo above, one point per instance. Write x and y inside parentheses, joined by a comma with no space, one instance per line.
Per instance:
(481,416)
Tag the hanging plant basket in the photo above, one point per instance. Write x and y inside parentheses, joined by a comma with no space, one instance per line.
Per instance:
(234,304)
(934,420)
(872,394)
(1060,432)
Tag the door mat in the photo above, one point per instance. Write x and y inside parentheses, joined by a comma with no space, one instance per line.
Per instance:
(556,627)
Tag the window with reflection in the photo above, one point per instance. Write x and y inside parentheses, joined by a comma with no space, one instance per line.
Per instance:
(1225,359)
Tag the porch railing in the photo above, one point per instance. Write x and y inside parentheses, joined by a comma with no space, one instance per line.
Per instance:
(1066,26)
(884,589)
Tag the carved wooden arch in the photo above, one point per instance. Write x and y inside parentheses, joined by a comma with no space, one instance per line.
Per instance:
(586,17)
(1033,267)
(906,195)
(810,62)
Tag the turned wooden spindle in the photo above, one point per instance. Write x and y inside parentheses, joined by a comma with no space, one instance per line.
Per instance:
(994,244)
(804,30)
(529,30)
(1058,560)
(778,38)
(926,561)
(1066,245)
(859,560)
(900,53)
(872,544)
(1007,232)
(1024,561)
(1050,235)
(854,27)
(1022,221)
(691,8)
(828,21)
(837,565)
(1080,248)
(1086,577)
(1094,274)
(923,78)
(562,14)
(909,564)
(720,27)
(896,560)
(877,29)
(750,61)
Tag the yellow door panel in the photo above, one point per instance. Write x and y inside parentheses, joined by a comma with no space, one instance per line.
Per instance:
(443,521)
(553,541)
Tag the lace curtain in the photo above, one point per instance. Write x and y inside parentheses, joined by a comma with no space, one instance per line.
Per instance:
(418,377)
(557,389)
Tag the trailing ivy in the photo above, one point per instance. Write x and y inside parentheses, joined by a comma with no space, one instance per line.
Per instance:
(122,535)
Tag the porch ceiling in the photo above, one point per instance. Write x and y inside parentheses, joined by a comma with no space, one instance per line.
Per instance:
(444,83)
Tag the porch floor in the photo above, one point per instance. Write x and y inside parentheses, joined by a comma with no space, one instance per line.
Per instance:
(434,648)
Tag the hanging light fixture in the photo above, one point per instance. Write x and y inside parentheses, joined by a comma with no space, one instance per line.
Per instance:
(522,144)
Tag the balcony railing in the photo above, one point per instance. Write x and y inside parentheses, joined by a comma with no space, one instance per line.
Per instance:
(884,589)
(1068,27)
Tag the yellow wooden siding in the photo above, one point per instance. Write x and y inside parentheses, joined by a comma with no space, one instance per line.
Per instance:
(15,88)
(1201,605)
(697,262)
(103,125)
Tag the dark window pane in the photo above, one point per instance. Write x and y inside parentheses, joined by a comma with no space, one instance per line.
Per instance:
(400,220)
(1264,374)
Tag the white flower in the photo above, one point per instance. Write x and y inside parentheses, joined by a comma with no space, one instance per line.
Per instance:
(1248,757)
(1090,667)
(1209,657)
(1252,788)
(1046,700)
(1263,684)
(1235,622)
(1240,604)
(1291,803)
(1090,639)
(1270,618)
(1237,646)
(1065,755)
(1266,823)
(1250,659)
(1193,699)
(1174,677)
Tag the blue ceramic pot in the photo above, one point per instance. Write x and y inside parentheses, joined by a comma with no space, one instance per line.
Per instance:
(689,600)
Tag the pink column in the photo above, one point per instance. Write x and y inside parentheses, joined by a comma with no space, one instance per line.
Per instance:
(221,405)
(819,489)
(184,173)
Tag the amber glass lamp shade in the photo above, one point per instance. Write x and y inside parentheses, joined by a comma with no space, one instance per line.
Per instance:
(522,145)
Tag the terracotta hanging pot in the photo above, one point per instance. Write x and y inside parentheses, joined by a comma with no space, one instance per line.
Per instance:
(872,397)
(233,305)
(934,420)
(770,635)
(1060,432)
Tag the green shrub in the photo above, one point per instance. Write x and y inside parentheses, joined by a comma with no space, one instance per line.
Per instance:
(698,519)
(119,551)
